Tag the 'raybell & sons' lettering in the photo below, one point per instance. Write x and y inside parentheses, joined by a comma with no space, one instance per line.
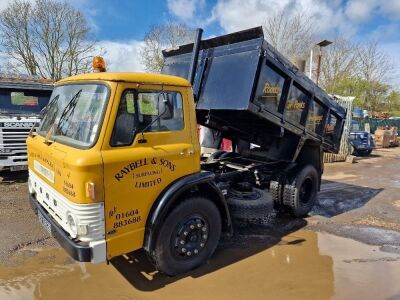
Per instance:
(129,168)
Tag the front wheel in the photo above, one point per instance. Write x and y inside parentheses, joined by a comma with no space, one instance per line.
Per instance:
(188,236)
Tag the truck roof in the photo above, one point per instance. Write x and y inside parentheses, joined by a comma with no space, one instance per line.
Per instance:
(25,83)
(130,77)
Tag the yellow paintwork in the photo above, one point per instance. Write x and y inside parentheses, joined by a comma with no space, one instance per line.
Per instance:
(145,78)
(130,178)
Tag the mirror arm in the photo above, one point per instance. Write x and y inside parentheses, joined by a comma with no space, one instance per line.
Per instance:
(142,139)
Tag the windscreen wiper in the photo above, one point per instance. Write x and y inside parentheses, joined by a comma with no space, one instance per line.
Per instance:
(43,111)
(68,111)
(55,125)
(51,102)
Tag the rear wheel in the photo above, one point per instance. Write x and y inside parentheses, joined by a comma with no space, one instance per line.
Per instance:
(300,191)
(188,236)
(276,189)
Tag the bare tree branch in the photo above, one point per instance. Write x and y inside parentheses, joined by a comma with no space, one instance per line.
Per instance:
(292,35)
(339,62)
(49,38)
(162,37)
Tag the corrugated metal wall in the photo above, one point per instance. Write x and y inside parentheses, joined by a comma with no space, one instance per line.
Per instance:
(347,103)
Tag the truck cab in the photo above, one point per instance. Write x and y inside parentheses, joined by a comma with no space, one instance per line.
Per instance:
(21,101)
(361,142)
(123,137)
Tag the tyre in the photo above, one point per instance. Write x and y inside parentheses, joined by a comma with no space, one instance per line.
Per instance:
(252,204)
(276,190)
(188,236)
(300,191)
(353,151)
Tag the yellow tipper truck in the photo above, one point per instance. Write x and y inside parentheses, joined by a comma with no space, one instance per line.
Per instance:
(116,166)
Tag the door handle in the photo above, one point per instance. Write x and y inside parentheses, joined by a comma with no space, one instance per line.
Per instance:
(187,152)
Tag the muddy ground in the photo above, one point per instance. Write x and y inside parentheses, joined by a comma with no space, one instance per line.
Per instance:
(349,248)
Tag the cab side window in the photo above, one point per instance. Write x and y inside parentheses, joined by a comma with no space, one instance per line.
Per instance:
(148,111)
(125,123)
(160,111)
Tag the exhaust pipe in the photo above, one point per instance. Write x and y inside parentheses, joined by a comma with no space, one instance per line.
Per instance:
(195,55)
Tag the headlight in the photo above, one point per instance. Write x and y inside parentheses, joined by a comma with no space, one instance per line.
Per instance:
(72,224)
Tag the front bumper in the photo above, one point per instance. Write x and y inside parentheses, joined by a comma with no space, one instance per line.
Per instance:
(78,252)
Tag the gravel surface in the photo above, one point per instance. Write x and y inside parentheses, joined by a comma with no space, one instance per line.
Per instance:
(18,223)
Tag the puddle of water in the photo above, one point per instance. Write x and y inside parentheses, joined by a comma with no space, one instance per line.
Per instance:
(303,265)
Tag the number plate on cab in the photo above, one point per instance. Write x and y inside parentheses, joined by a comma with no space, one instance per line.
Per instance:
(44,222)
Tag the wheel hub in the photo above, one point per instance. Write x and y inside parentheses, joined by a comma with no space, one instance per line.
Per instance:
(191,236)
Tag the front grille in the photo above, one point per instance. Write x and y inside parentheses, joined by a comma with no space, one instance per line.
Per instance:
(14,138)
(20,160)
(16,130)
(13,141)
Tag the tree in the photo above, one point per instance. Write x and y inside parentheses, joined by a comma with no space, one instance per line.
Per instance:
(292,35)
(338,66)
(162,37)
(47,38)
(360,70)
(374,64)
(393,101)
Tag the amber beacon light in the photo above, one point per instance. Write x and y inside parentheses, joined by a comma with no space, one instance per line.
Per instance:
(99,65)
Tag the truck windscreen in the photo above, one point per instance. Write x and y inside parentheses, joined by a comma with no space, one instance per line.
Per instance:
(74,114)
(23,101)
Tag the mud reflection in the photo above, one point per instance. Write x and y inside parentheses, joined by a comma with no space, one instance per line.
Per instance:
(302,265)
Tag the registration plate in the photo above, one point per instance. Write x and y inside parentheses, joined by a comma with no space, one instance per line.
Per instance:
(18,168)
(44,222)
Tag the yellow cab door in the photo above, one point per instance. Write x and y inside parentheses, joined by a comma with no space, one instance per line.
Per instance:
(137,168)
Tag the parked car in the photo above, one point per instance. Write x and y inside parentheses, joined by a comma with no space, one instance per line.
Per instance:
(361,143)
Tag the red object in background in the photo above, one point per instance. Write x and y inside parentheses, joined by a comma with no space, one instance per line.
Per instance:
(226,145)
(32,103)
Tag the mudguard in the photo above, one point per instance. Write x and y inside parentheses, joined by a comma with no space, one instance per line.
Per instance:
(204,182)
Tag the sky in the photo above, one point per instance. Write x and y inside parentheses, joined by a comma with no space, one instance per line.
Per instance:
(120,25)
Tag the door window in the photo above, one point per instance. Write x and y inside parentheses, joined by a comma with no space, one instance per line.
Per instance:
(148,111)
